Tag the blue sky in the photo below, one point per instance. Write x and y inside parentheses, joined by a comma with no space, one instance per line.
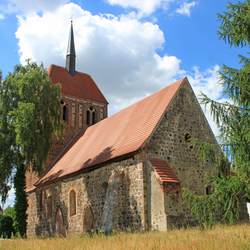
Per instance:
(131,48)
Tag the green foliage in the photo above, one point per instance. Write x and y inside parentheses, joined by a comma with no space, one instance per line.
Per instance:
(29,117)
(21,204)
(235,24)
(6,227)
(232,180)
(10,211)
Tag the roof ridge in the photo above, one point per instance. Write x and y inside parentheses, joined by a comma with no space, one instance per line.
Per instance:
(116,136)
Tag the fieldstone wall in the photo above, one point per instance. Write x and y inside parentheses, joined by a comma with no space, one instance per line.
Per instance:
(183,116)
(157,218)
(121,206)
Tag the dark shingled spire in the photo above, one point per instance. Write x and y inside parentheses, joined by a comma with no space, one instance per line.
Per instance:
(71,54)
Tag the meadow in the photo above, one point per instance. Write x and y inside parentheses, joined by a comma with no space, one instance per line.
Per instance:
(220,237)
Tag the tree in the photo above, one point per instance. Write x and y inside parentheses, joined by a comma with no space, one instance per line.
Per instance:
(231,184)
(29,117)
(10,211)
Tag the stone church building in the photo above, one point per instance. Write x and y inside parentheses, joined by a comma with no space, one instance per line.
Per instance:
(124,171)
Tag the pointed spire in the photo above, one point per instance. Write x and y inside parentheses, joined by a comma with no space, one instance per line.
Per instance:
(71,54)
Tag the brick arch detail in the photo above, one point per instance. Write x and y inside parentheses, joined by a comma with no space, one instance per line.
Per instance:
(64,108)
(59,223)
(88,218)
(91,115)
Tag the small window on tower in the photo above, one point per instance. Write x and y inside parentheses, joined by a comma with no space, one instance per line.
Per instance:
(93,118)
(64,113)
(88,117)
(64,110)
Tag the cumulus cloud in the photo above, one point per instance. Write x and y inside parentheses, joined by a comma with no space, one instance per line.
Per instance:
(185,8)
(11,199)
(145,7)
(1,16)
(119,53)
(207,83)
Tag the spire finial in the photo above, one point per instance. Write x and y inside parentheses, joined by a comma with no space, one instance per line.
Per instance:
(71,55)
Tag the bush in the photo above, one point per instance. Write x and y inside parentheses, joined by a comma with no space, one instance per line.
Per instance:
(6,227)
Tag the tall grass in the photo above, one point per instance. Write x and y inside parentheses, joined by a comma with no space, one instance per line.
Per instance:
(221,237)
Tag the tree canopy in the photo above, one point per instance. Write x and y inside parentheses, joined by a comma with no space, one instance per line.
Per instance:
(29,117)
(231,184)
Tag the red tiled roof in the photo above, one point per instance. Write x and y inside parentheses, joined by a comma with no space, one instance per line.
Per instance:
(163,170)
(120,134)
(81,85)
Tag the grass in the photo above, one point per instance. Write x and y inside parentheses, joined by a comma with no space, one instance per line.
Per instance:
(221,237)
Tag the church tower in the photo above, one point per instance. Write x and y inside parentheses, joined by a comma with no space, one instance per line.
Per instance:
(82,105)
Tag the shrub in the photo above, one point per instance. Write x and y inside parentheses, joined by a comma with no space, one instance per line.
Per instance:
(6,227)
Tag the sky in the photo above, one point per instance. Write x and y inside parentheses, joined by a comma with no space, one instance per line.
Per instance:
(131,48)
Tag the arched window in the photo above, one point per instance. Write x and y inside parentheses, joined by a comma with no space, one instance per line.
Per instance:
(64,110)
(72,202)
(88,117)
(64,113)
(88,219)
(49,207)
(93,117)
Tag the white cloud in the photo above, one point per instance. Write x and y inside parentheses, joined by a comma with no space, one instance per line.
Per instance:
(207,83)
(185,8)
(1,16)
(11,199)
(145,7)
(119,53)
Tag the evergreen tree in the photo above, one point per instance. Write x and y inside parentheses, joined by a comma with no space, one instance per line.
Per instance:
(29,117)
(231,184)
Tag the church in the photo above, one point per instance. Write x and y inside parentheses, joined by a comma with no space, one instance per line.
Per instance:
(126,171)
